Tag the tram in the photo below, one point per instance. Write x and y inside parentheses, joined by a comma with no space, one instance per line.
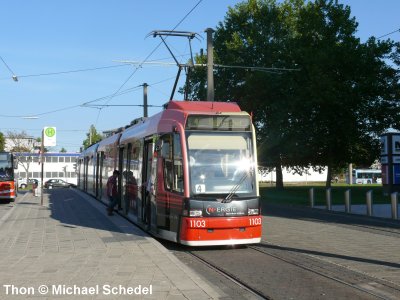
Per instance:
(8,190)
(187,174)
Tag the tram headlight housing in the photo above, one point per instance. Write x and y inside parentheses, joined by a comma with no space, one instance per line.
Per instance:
(253,211)
(196,213)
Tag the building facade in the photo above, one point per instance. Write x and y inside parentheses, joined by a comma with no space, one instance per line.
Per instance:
(56,165)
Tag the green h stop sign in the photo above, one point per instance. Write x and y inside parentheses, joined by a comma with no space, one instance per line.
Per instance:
(49,136)
(50,131)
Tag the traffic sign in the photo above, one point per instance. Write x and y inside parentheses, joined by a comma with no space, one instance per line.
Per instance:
(49,136)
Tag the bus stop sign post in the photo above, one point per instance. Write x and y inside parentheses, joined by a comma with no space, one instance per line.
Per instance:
(48,140)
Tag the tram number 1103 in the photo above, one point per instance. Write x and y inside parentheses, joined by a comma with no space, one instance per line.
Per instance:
(255,221)
(197,223)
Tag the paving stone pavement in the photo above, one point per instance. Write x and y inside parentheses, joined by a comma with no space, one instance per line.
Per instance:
(365,245)
(72,248)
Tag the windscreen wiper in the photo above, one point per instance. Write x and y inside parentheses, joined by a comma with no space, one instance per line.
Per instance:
(235,188)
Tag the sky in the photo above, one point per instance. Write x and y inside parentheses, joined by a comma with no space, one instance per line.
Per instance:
(66,53)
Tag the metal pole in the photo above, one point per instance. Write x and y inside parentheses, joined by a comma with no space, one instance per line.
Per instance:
(210,65)
(350,173)
(42,167)
(369,203)
(328,199)
(394,201)
(145,85)
(312,197)
(347,201)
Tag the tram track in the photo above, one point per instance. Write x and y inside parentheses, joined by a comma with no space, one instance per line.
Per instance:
(236,280)
(331,273)
(275,265)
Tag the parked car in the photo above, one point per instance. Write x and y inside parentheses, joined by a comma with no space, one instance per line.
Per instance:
(22,183)
(57,183)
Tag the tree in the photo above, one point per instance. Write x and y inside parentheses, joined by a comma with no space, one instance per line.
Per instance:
(258,33)
(22,145)
(2,141)
(92,137)
(349,89)
(330,110)
(20,141)
(63,150)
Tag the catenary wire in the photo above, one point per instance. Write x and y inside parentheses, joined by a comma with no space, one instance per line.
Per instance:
(9,69)
(85,104)
(74,71)
(71,71)
(397,30)
(148,56)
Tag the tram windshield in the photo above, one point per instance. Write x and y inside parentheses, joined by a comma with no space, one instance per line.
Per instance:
(6,167)
(221,163)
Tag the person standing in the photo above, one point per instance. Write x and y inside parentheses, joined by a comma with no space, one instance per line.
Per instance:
(112,191)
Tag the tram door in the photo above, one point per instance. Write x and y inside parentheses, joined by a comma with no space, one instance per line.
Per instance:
(148,183)
(120,167)
(85,174)
(97,174)
(100,175)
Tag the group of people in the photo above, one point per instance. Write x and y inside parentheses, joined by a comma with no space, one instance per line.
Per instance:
(112,189)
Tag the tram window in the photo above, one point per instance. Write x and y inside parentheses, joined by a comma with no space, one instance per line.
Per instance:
(173,168)
(166,155)
(168,174)
(178,165)
(166,147)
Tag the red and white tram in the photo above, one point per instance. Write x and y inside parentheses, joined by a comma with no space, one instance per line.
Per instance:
(188,174)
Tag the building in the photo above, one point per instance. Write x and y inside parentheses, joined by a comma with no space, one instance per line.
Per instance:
(309,175)
(21,142)
(56,165)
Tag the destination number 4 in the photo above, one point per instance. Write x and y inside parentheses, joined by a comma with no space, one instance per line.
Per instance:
(255,221)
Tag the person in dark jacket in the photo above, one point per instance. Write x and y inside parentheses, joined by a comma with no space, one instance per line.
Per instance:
(112,191)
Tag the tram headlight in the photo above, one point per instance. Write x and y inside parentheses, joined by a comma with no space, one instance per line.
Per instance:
(195,213)
(253,211)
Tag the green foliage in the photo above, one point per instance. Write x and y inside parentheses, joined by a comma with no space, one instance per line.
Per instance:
(63,150)
(331,110)
(2,141)
(92,137)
